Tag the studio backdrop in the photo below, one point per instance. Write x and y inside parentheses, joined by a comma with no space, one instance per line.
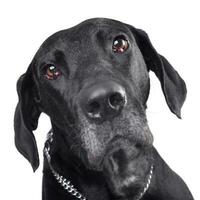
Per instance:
(172,44)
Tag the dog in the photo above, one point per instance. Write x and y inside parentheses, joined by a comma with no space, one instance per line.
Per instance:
(92,80)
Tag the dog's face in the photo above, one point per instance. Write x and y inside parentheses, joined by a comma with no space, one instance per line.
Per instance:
(92,80)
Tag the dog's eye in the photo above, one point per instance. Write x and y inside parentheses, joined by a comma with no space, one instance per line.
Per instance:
(52,72)
(120,44)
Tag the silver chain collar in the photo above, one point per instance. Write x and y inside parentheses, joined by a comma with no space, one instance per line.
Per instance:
(141,194)
(68,186)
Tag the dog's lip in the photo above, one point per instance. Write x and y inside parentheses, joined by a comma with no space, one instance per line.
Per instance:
(118,141)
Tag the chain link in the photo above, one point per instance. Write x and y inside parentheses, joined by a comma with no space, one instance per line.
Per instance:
(66,184)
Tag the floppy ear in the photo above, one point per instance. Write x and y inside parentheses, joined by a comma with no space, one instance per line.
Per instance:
(172,84)
(26,119)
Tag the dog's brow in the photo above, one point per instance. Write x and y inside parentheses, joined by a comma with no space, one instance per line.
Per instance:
(59,55)
(61,60)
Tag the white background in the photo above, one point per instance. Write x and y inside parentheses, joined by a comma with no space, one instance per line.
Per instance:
(173,27)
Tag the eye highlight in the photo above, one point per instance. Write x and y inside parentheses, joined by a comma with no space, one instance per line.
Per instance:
(51,72)
(120,44)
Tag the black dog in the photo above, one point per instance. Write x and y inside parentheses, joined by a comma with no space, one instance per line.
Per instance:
(92,81)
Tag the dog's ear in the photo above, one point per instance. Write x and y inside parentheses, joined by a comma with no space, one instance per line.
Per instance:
(172,84)
(26,118)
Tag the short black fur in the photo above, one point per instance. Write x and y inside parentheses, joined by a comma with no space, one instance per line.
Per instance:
(106,156)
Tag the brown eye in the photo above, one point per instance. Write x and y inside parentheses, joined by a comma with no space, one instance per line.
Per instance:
(120,44)
(51,72)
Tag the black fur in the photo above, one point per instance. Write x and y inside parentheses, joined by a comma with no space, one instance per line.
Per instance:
(98,156)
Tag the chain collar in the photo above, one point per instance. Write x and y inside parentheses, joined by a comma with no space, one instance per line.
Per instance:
(68,186)
(141,194)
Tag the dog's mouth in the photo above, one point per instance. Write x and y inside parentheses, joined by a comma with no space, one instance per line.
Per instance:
(128,129)
(127,169)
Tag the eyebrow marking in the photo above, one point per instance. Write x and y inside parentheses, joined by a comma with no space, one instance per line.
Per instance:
(60,59)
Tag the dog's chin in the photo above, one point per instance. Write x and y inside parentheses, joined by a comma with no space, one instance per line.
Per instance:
(129,180)
(127,187)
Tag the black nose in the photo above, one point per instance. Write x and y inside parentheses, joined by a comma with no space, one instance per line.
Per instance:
(104,100)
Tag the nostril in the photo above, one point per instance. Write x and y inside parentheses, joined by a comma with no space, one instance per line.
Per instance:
(116,100)
(93,109)
(102,101)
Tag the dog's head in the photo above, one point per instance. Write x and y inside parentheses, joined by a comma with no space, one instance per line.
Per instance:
(92,81)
